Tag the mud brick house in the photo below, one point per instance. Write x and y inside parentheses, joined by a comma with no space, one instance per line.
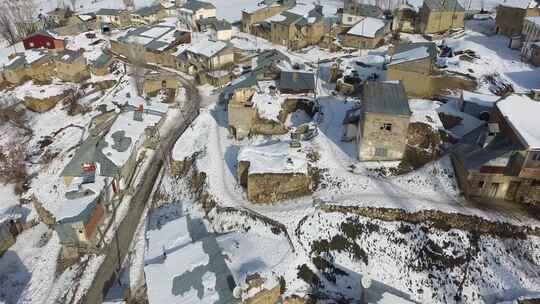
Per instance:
(413,64)
(368,33)
(273,171)
(71,66)
(436,16)
(511,15)
(384,122)
(194,10)
(261,11)
(44,39)
(508,167)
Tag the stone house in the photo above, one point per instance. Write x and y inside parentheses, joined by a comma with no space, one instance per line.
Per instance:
(102,65)
(30,65)
(259,13)
(78,24)
(368,33)
(530,51)
(353,12)
(112,17)
(44,39)
(414,65)
(510,16)
(384,122)
(273,172)
(157,43)
(59,16)
(508,167)
(296,31)
(195,10)
(205,56)
(155,82)
(262,107)
(148,15)
(436,16)
(219,29)
(71,66)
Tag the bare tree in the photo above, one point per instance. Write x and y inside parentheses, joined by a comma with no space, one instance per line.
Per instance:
(137,70)
(73,5)
(18,20)
(130,4)
(7,28)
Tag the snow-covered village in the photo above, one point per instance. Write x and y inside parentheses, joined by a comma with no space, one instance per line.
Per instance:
(270,151)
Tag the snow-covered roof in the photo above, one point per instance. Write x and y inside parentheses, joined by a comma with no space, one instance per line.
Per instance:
(156,37)
(535,20)
(82,199)
(521,113)
(484,100)
(275,157)
(425,111)
(524,4)
(413,51)
(367,27)
(206,47)
(172,234)
(124,134)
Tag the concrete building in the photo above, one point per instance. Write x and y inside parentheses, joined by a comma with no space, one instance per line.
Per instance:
(353,12)
(71,66)
(368,33)
(436,16)
(273,172)
(510,16)
(413,64)
(508,167)
(384,122)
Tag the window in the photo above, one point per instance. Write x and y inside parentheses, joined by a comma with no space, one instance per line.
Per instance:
(386,126)
(481,184)
(536,156)
(31,44)
(381,152)
(48,44)
(349,19)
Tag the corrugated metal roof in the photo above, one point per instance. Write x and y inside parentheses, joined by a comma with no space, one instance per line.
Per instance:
(90,152)
(296,80)
(109,12)
(102,60)
(385,97)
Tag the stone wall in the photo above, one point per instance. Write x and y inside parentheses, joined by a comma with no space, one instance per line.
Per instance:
(266,296)
(440,220)
(436,22)
(270,187)
(360,42)
(248,19)
(43,105)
